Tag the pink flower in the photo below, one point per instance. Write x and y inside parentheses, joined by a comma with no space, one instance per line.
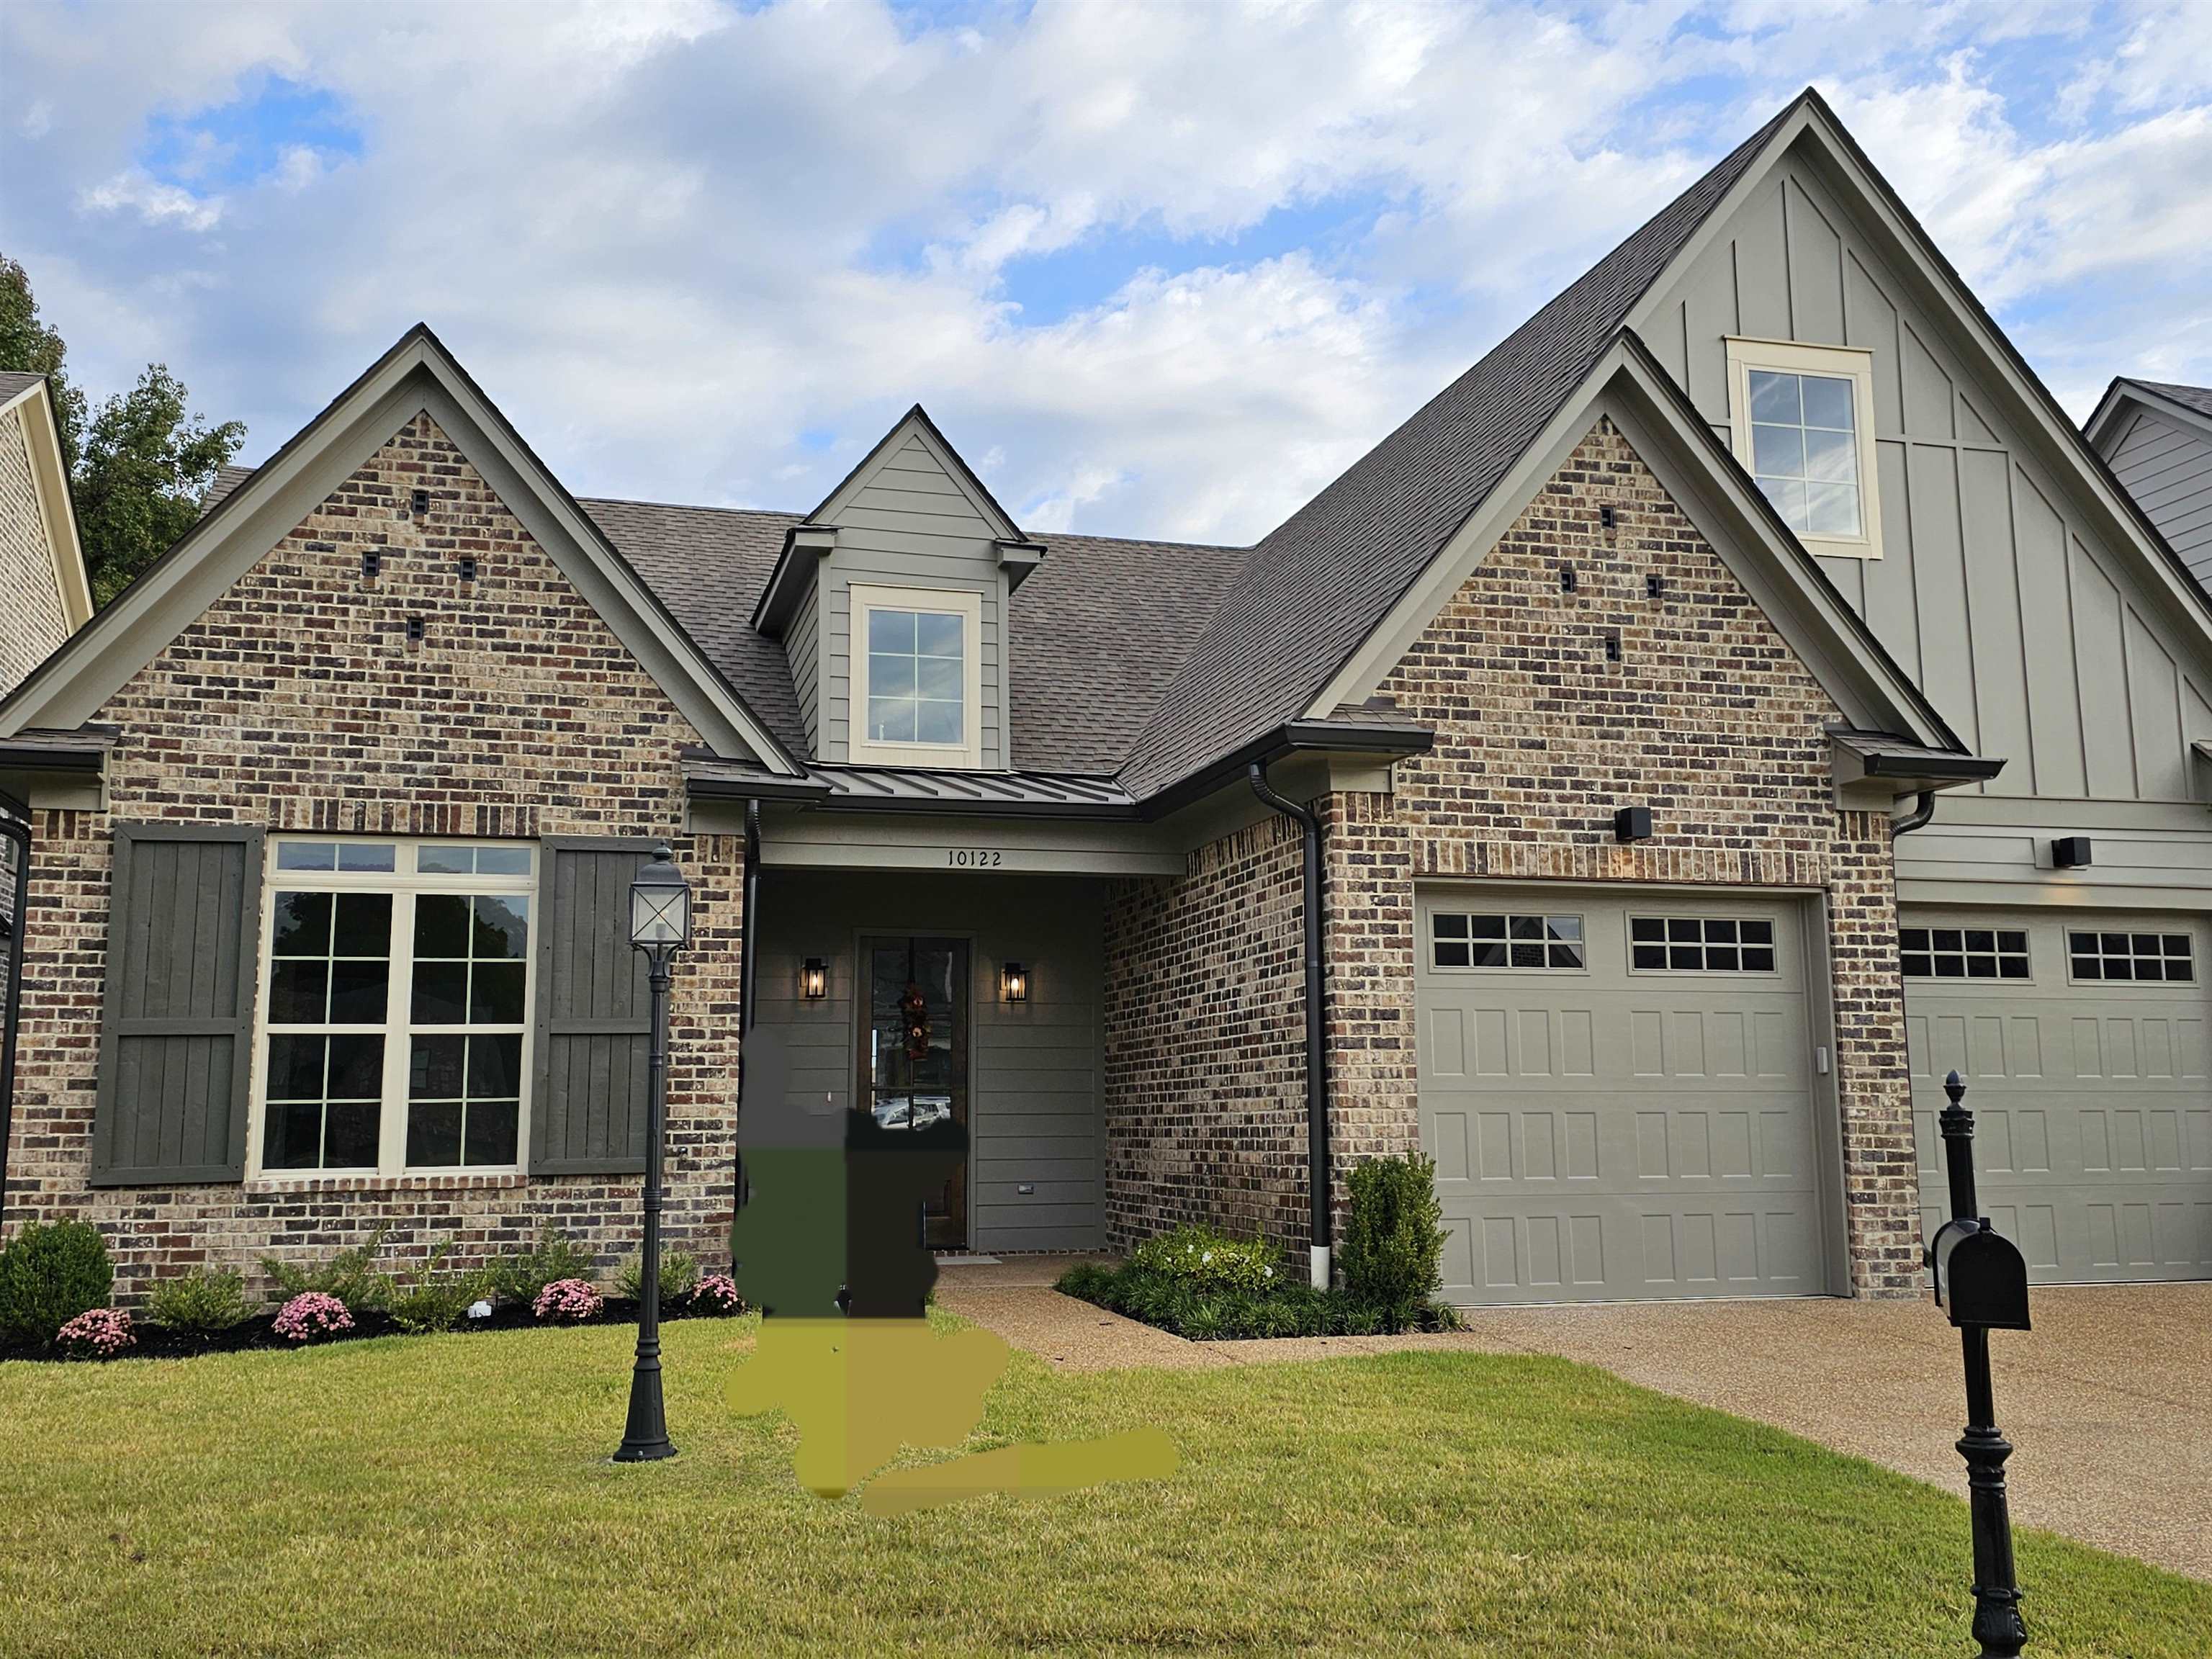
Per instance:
(570,1300)
(99,1333)
(719,1292)
(310,1315)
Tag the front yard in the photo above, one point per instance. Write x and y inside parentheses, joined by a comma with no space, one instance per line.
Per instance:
(449,1494)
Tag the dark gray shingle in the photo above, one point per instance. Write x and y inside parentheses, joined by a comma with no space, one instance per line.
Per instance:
(1319,584)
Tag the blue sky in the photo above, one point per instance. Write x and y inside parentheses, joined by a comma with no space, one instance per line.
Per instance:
(1156,270)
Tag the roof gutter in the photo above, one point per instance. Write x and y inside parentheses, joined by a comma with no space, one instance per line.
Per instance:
(1317,1047)
(1394,742)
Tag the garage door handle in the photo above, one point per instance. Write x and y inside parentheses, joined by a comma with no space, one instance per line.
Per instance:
(1821,1060)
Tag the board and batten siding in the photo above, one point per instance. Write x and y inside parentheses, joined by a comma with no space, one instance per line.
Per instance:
(1035,1108)
(2166,465)
(2029,635)
(909,523)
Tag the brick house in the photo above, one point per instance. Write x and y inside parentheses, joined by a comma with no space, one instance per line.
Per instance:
(1546,795)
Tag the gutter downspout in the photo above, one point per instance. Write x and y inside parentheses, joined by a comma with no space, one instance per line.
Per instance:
(748,964)
(15,826)
(1316,1050)
(1924,810)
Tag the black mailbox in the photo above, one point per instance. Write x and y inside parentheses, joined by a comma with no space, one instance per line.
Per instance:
(1981,1278)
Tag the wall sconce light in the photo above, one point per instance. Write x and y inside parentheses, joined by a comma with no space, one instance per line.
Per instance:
(2070,852)
(814,978)
(1014,981)
(1632,824)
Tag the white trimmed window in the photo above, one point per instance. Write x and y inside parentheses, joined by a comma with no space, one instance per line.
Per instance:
(917,676)
(394,1009)
(1801,420)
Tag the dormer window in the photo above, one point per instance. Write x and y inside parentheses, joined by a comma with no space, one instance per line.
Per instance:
(918,696)
(1802,421)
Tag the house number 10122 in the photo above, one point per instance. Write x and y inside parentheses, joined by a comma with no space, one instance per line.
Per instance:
(973,858)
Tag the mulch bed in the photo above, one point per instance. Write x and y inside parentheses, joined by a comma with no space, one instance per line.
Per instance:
(154,1342)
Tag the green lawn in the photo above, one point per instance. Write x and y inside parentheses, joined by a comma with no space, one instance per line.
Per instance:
(450,1495)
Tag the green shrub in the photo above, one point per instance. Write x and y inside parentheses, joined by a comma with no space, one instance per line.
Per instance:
(1393,1239)
(351,1276)
(204,1300)
(553,1256)
(679,1275)
(428,1300)
(1201,1255)
(51,1273)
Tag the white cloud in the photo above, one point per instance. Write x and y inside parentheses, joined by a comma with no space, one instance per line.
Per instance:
(156,204)
(672,239)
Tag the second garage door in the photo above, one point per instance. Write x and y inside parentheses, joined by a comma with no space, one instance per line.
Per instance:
(1618,1093)
(2082,1037)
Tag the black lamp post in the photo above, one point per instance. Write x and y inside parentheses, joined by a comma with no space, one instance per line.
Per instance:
(660,926)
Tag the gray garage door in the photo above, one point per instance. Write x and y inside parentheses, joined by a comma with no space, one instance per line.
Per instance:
(1618,1095)
(2082,1037)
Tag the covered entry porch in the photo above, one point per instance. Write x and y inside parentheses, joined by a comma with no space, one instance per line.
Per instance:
(975,995)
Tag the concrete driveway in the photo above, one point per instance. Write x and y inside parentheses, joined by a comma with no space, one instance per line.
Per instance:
(2108,1401)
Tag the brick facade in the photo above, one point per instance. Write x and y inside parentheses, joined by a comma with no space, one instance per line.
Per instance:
(1709,717)
(296,701)
(32,621)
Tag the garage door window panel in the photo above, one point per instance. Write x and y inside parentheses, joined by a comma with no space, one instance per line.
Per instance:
(1507,941)
(1701,944)
(1963,953)
(2107,957)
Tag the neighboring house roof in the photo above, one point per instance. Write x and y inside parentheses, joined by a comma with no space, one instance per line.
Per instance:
(226,478)
(28,392)
(1317,586)
(2166,468)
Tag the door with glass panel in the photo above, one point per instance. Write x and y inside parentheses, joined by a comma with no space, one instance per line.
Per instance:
(914,1057)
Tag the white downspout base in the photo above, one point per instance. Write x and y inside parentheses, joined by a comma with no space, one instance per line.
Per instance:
(1320,1255)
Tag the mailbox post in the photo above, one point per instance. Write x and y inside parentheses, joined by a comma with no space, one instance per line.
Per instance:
(1981,1282)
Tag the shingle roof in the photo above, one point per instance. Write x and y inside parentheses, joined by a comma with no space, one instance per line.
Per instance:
(2198,397)
(226,478)
(1099,627)
(15,381)
(1318,585)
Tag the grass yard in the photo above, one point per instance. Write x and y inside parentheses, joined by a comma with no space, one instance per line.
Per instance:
(450,1495)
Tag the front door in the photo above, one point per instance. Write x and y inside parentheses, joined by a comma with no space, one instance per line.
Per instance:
(914,1057)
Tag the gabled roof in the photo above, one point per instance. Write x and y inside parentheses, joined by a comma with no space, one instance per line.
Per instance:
(30,394)
(416,373)
(2192,403)
(1098,631)
(1317,586)
(780,594)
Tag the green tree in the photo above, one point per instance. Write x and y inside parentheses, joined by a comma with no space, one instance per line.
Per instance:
(27,342)
(147,464)
(139,467)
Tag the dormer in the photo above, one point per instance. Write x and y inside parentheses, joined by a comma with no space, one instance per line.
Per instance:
(890,599)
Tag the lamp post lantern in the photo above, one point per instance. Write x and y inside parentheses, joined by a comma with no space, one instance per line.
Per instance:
(660,926)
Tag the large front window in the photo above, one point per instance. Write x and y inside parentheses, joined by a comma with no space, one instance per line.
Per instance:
(397,990)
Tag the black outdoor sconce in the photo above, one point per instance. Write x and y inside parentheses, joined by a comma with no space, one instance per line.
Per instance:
(1014,983)
(1632,824)
(1981,1282)
(814,978)
(2070,852)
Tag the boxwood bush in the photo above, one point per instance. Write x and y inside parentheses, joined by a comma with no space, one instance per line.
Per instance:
(1393,1247)
(203,1300)
(50,1273)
